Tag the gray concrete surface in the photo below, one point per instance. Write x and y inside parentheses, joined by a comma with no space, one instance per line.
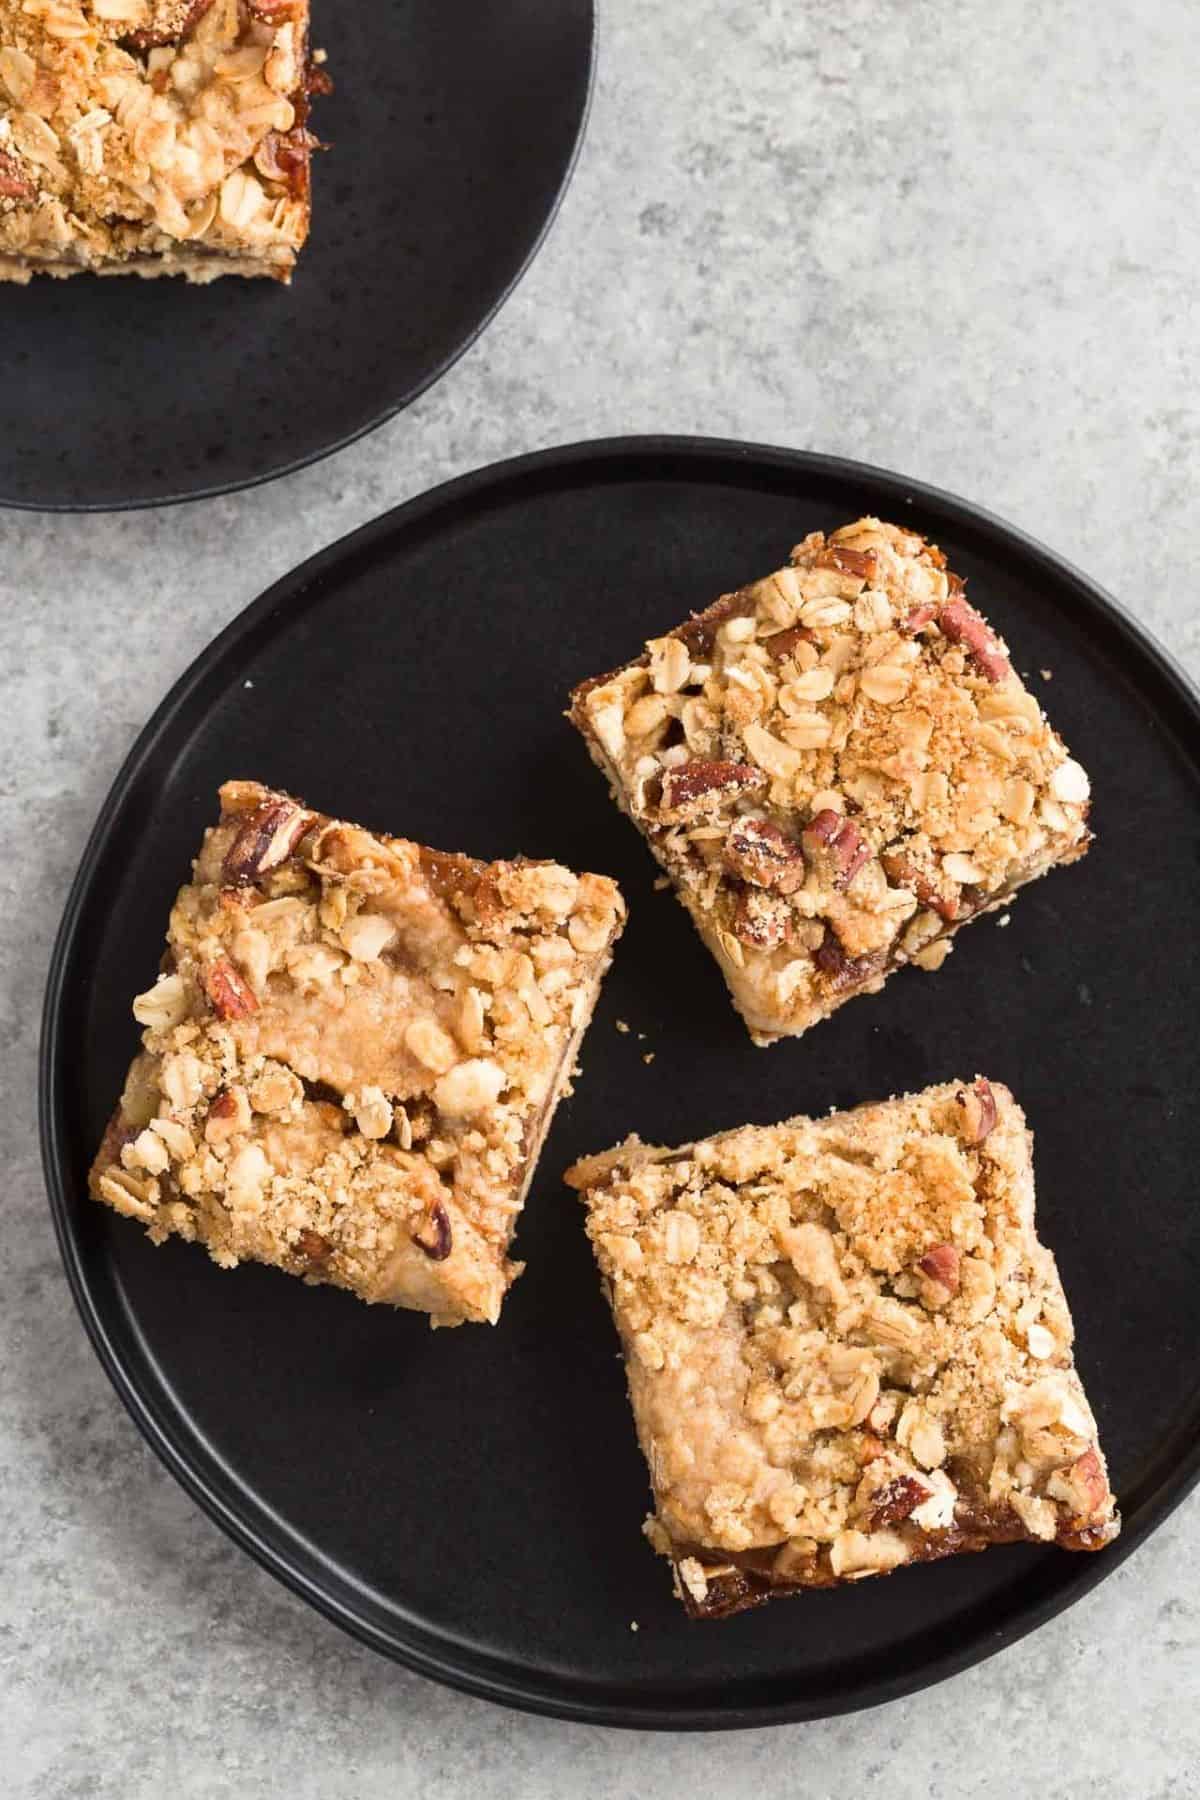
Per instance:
(957,239)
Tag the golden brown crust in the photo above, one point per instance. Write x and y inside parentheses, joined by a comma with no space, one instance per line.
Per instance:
(846,1348)
(353,1054)
(857,707)
(153,137)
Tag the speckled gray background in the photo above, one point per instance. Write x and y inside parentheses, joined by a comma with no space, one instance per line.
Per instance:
(958,239)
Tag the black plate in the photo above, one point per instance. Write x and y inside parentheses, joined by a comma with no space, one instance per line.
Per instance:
(454,126)
(470,1502)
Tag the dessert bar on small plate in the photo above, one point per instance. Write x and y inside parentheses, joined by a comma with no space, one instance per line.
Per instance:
(154,137)
(846,1348)
(353,1054)
(837,767)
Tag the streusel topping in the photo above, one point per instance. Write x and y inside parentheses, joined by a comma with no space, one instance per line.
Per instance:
(135,128)
(835,765)
(844,1339)
(350,1061)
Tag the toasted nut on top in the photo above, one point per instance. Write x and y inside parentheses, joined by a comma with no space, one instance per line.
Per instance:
(900,1497)
(861,563)
(232,998)
(268,837)
(940,1267)
(978,1105)
(699,787)
(831,835)
(760,853)
(963,625)
(762,919)
(14,183)
(434,1235)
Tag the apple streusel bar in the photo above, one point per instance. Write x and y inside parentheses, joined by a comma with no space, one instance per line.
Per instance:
(154,137)
(353,1055)
(837,767)
(846,1348)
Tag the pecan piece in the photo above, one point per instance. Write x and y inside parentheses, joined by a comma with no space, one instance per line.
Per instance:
(228,1115)
(434,1235)
(760,853)
(150,37)
(899,869)
(783,643)
(699,787)
(842,971)
(918,617)
(978,1105)
(960,622)
(1082,1486)
(285,155)
(939,1266)
(231,997)
(14,183)
(839,839)
(861,563)
(269,837)
(313,1247)
(762,919)
(896,1501)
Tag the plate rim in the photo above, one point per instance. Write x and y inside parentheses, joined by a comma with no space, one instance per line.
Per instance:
(544,1694)
(216,490)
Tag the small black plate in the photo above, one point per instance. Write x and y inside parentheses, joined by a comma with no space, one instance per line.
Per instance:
(469,1502)
(454,126)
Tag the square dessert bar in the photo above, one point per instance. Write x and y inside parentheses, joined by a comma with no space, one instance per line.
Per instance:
(846,1348)
(154,137)
(837,767)
(352,1058)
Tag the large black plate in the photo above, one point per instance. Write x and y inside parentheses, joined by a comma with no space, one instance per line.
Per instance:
(470,1502)
(454,125)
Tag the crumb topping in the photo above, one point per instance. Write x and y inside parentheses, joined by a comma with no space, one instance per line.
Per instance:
(846,1347)
(353,1053)
(143,132)
(836,766)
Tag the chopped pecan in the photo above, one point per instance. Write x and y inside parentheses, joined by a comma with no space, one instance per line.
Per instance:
(699,787)
(784,643)
(939,1265)
(831,835)
(14,183)
(312,1246)
(151,36)
(918,617)
(434,1235)
(228,1114)
(700,632)
(898,868)
(896,1501)
(317,80)
(761,919)
(862,563)
(978,1105)
(959,621)
(760,853)
(1083,1486)
(231,997)
(870,1447)
(842,971)
(285,155)
(269,837)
